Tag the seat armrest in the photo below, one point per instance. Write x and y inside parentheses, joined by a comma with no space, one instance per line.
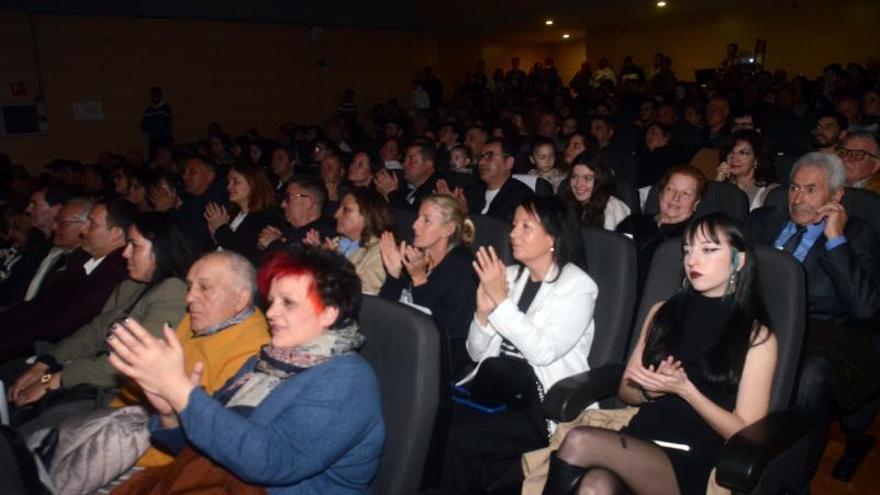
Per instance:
(568,397)
(746,455)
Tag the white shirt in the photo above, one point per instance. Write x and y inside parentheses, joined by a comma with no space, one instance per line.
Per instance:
(233,225)
(91,264)
(490,195)
(42,270)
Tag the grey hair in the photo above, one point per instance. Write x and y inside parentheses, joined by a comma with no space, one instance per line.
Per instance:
(863,134)
(243,271)
(86,203)
(831,163)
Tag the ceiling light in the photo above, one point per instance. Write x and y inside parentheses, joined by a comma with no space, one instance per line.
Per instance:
(566,36)
(549,22)
(661,3)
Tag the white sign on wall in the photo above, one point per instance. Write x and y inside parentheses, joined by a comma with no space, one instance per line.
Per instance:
(88,110)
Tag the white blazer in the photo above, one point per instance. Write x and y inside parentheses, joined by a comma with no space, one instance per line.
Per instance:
(555,334)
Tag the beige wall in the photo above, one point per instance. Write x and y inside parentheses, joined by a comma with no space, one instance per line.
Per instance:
(801,39)
(242,75)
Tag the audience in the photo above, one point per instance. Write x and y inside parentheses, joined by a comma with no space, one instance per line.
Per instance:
(158,256)
(81,293)
(61,261)
(363,216)
(840,258)
(747,165)
(590,192)
(538,317)
(680,191)
(251,209)
(498,193)
(434,273)
(701,370)
(303,415)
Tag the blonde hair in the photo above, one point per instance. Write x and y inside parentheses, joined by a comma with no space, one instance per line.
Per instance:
(453,212)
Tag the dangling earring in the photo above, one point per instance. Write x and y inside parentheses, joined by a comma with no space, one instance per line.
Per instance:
(731,283)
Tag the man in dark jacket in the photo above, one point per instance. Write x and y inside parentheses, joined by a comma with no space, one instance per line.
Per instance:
(841,260)
(498,193)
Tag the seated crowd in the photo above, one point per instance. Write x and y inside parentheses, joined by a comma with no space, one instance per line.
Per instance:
(212,290)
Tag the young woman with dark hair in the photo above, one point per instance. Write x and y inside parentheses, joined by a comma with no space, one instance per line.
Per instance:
(590,190)
(701,371)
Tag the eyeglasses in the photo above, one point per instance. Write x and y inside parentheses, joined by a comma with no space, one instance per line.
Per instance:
(292,196)
(857,155)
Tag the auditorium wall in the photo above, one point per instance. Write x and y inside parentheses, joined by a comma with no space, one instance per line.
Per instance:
(240,74)
(801,36)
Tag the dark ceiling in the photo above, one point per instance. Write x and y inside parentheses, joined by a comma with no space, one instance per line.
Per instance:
(512,19)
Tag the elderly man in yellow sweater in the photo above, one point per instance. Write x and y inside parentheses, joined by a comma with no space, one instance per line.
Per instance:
(222,327)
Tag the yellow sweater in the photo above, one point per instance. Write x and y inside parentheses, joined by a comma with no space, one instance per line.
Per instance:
(222,353)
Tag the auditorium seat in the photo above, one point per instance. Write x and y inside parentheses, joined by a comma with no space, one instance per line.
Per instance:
(767,456)
(404,349)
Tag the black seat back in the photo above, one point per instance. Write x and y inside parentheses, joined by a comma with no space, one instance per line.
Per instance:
(719,197)
(403,347)
(490,231)
(781,287)
(611,263)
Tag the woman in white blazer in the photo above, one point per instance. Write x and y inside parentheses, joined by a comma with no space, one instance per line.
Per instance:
(539,311)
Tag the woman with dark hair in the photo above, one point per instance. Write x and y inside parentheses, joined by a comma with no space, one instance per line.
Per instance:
(363,215)
(747,165)
(220,146)
(362,168)
(252,202)
(681,189)
(138,187)
(701,371)
(121,175)
(576,145)
(303,416)
(158,257)
(590,190)
(533,327)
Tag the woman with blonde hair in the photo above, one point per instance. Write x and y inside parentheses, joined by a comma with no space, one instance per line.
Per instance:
(435,272)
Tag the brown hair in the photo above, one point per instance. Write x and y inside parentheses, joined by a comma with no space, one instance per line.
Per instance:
(375,210)
(686,170)
(262,196)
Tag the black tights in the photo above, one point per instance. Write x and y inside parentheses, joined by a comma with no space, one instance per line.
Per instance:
(618,463)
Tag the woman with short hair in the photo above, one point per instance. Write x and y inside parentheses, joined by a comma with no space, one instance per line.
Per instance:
(303,416)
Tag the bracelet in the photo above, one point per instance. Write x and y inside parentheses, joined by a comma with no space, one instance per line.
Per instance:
(645,397)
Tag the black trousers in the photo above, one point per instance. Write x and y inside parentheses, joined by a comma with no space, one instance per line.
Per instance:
(483,451)
(816,399)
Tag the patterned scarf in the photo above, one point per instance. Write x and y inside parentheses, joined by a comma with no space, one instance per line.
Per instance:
(276,364)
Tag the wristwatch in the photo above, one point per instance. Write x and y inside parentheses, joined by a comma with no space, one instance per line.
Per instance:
(46,379)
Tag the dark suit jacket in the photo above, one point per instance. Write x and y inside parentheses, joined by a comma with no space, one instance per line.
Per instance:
(397,198)
(843,284)
(244,239)
(503,206)
(71,303)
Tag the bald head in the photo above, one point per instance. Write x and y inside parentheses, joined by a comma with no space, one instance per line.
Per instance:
(221,285)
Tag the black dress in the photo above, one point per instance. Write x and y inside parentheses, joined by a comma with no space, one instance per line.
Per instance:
(671,419)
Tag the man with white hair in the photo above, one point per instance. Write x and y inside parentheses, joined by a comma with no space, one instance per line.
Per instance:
(861,156)
(841,259)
